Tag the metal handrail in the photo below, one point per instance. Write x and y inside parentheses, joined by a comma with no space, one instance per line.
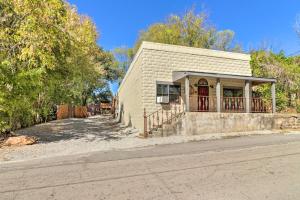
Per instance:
(157,118)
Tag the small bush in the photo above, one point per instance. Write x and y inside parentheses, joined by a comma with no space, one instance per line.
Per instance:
(298,107)
(4,120)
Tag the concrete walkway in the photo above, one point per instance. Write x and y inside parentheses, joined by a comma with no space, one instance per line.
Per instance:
(254,167)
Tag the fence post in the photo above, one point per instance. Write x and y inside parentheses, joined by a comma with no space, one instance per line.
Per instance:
(218,94)
(273,92)
(145,123)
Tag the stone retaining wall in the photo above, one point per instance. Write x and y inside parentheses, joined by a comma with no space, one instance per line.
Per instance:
(195,123)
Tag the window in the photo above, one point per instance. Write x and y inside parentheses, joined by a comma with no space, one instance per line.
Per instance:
(174,93)
(233,92)
(171,92)
(202,82)
(162,90)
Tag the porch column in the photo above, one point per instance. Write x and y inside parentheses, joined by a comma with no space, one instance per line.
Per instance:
(248,96)
(187,94)
(273,97)
(218,93)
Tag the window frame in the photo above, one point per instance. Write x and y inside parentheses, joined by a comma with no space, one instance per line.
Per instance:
(233,88)
(168,86)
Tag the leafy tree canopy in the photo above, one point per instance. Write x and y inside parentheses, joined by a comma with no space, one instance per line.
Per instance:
(192,29)
(285,69)
(48,56)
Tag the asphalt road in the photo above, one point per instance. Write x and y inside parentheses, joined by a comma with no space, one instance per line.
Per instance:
(256,167)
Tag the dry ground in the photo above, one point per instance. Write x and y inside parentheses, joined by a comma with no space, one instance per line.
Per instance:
(68,136)
(89,129)
(98,133)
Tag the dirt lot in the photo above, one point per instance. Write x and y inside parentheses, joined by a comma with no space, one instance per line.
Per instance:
(69,136)
(89,129)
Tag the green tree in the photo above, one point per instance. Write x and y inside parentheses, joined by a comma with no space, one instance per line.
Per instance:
(191,29)
(103,94)
(48,56)
(123,58)
(285,69)
(32,42)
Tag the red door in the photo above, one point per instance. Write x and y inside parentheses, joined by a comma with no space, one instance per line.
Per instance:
(203,98)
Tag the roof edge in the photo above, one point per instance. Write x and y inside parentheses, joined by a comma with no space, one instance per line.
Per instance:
(176,75)
(182,49)
(196,51)
(136,56)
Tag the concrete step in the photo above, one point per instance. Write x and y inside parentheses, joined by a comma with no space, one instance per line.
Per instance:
(172,128)
(157,133)
(168,128)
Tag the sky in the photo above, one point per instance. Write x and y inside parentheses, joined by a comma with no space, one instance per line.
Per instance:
(256,23)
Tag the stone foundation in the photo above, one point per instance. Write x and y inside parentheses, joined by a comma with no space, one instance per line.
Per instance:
(196,123)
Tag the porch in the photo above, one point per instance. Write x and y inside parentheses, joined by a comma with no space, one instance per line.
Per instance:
(221,96)
(209,92)
(200,103)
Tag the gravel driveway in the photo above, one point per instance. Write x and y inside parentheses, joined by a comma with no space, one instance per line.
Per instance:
(69,136)
(89,129)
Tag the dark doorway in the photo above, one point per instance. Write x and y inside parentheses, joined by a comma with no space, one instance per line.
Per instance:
(203,95)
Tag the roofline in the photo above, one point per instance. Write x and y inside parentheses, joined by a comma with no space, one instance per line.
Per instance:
(195,51)
(182,49)
(176,75)
(136,56)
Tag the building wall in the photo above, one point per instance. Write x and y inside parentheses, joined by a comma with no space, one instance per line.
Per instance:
(159,65)
(130,96)
(156,62)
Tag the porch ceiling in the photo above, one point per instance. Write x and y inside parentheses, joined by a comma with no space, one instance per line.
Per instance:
(177,75)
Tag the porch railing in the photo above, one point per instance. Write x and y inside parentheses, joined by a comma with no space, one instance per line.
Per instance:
(233,104)
(157,119)
(259,105)
(200,103)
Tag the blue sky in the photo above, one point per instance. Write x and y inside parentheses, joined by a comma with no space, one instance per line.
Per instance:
(253,21)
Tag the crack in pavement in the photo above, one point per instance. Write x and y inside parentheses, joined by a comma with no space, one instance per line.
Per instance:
(149,173)
(196,152)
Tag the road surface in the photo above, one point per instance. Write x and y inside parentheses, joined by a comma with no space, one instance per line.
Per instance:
(254,167)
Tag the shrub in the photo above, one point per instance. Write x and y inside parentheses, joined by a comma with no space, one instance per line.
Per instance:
(298,106)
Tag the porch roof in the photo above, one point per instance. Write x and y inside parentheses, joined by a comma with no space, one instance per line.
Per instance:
(177,75)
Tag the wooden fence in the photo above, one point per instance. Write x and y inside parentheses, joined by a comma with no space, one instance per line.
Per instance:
(69,111)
